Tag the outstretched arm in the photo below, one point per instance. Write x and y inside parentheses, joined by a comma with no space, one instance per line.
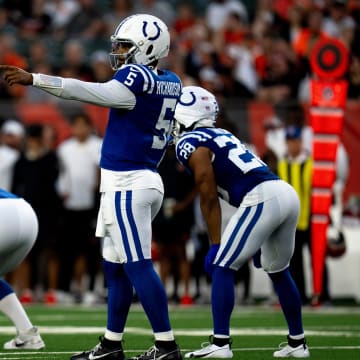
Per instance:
(109,94)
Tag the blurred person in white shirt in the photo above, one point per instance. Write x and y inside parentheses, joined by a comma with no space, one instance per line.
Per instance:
(11,137)
(78,185)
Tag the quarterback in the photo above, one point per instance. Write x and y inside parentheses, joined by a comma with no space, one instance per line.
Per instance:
(18,229)
(263,225)
(142,100)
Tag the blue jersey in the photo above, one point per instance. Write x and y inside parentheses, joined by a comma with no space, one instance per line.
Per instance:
(7,195)
(236,169)
(137,139)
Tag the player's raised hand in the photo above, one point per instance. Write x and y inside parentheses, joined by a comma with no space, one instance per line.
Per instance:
(13,75)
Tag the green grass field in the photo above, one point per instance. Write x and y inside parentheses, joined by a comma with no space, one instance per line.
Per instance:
(332,332)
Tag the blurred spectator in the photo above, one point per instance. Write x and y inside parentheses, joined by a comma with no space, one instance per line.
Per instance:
(211,80)
(267,21)
(354,76)
(39,54)
(36,23)
(185,18)
(232,32)
(354,10)
(290,113)
(274,147)
(310,34)
(50,137)
(5,25)
(217,11)
(162,9)
(244,68)
(74,61)
(61,12)
(35,173)
(13,133)
(296,17)
(11,137)
(281,79)
(79,176)
(18,10)
(235,62)
(172,225)
(100,66)
(118,10)
(87,23)
(10,56)
(201,54)
(338,19)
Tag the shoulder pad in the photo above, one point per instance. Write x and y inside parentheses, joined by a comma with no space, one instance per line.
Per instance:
(138,78)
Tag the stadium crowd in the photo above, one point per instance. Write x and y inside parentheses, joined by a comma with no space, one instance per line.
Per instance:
(241,50)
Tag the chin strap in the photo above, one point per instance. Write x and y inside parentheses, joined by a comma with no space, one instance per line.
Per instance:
(204,123)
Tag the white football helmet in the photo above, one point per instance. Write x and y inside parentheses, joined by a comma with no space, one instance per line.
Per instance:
(146,36)
(196,108)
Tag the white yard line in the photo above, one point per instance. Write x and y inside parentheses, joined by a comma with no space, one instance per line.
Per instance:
(182,332)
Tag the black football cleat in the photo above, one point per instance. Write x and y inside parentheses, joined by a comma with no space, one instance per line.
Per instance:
(101,351)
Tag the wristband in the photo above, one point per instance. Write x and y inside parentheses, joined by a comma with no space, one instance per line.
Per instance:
(47,81)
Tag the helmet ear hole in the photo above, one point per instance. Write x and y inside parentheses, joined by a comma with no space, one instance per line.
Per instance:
(149,50)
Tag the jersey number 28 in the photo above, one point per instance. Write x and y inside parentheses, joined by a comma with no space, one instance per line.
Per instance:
(239,154)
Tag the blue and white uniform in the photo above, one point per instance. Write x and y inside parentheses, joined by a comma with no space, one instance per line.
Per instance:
(267,208)
(134,144)
(142,102)
(18,230)
(136,139)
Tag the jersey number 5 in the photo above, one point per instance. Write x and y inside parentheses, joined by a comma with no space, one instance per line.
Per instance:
(164,123)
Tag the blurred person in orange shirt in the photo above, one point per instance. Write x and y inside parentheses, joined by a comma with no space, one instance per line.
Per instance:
(310,34)
(9,56)
(185,18)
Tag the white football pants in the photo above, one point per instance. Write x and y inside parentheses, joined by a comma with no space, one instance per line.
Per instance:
(266,219)
(124,220)
(18,232)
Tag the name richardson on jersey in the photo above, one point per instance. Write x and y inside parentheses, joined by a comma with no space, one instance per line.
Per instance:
(168,88)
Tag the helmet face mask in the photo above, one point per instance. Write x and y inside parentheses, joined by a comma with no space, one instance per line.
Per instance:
(145,38)
(122,52)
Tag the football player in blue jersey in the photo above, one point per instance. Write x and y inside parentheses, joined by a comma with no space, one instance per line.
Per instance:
(18,232)
(142,100)
(263,225)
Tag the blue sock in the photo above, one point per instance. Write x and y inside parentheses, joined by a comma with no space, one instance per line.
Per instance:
(151,293)
(5,289)
(222,299)
(290,300)
(120,295)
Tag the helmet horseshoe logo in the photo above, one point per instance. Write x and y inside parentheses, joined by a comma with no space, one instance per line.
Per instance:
(152,38)
(191,102)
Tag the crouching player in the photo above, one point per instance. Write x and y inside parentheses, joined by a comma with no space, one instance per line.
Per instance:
(263,226)
(18,232)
